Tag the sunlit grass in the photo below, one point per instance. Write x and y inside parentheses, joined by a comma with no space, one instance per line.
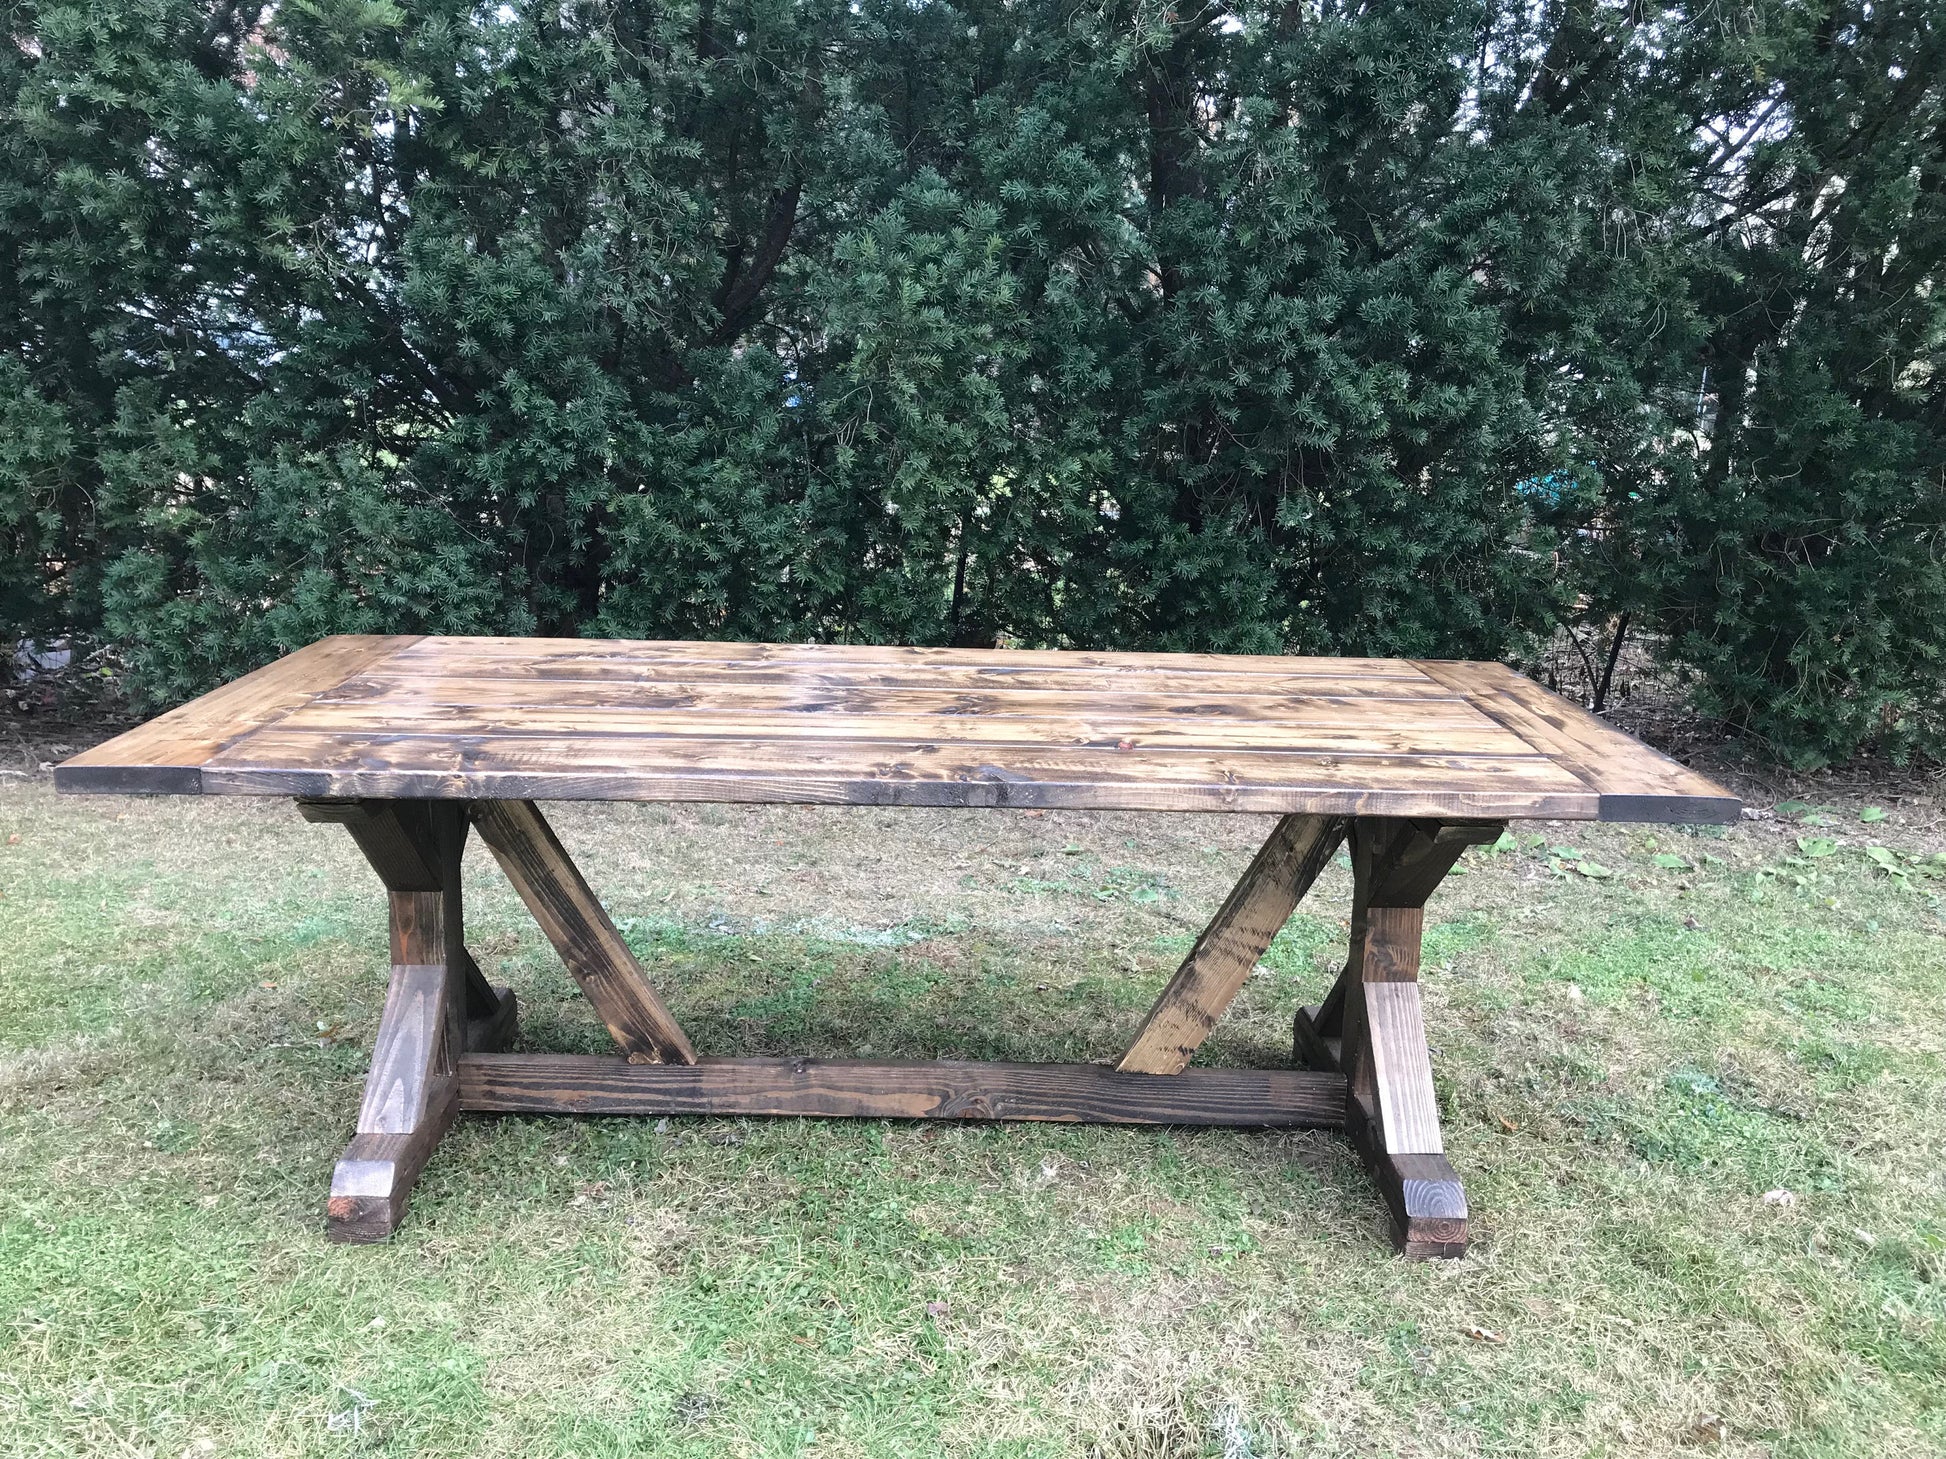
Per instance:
(1701,1111)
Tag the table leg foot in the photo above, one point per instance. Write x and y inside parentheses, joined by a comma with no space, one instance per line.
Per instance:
(1422,1192)
(373,1180)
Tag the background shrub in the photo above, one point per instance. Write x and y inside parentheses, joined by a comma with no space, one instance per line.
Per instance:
(1408,329)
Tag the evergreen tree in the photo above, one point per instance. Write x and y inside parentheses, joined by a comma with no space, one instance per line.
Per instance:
(1421,328)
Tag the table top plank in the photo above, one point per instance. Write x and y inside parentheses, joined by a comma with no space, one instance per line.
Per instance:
(846,724)
(551,652)
(593,681)
(829,692)
(550,767)
(1452,735)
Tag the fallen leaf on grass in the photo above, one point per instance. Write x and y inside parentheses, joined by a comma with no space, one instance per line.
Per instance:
(1887,861)
(1508,1125)
(1482,1334)
(1709,1429)
(937,1310)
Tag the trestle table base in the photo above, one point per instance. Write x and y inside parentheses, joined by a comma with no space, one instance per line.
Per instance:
(442,1037)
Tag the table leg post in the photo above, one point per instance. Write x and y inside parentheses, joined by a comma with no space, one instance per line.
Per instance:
(437,1006)
(1372,1029)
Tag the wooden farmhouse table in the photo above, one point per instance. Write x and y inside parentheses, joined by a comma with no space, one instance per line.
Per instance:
(410,742)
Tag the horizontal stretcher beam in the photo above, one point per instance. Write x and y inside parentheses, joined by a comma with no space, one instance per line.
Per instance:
(920,1089)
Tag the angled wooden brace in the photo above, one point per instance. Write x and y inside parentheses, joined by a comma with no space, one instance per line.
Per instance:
(572,917)
(1243,927)
(1372,1028)
(437,1006)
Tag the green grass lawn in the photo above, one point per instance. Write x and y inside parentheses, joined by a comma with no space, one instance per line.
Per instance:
(1699,1102)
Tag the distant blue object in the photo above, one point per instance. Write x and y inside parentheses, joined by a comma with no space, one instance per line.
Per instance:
(1551,488)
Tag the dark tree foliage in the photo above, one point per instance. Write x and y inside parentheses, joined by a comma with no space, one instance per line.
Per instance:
(1407,329)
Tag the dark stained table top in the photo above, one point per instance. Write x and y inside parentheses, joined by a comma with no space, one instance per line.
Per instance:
(592,719)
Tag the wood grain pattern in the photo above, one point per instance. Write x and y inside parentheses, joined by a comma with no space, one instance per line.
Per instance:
(1392,937)
(558,651)
(165,755)
(935,1090)
(511,767)
(1307,727)
(1217,966)
(411,1071)
(575,922)
(642,678)
(1422,1193)
(1401,1068)
(374,1177)
(518,719)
